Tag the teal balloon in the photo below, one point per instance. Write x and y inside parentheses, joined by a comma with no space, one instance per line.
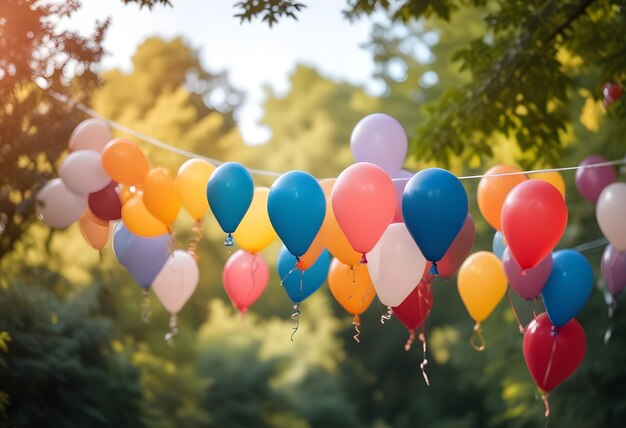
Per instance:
(312,278)
(434,207)
(229,192)
(296,206)
(498,246)
(569,286)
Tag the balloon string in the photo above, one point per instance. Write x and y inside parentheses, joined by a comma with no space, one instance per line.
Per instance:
(296,307)
(609,331)
(146,310)
(519,323)
(195,239)
(356,322)
(386,316)
(544,397)
(100,253)
(554,333)
(409,341)
(478,340)
(534,307)
(169,336)
(424,362)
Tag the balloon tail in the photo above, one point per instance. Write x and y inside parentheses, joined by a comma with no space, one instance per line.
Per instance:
(478,340)
(169,336)
(554,333)
(544,397)
(363,259)
(424,363)
(409,341)
(519,323)
(100,254)
(229,241)
(609,331)
(535,308)
(146,310)
(433,269)
(356,322)
(386,316)
(296,316)
(197,234)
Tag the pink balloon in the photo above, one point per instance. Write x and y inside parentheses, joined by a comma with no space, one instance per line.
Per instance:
(244,277)
(364,203)
(90,134)
(611,214)
(399,185)
(176,281)
(460,249)
(528,283)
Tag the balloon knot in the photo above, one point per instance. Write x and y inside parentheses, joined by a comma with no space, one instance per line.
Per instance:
(433,269)
(229,241)
(523,272)
(299,264)
(363,259)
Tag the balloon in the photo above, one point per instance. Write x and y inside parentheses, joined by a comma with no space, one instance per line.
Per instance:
(400,185)
(613,265)
(314,251)
(176,281)
(139,220)
(482,284)
(334,238)
(611,214)
(381,140)
(82,172)
(296,207)
(435,208)
(591,181)
(528,283)
(229,192)
(160,196)
(105,204)
(142,257)
(395,265)
(459,250)
(553,177)
(126,192)
(244,277)
(534,217)
(559,351)
(95,232)
(569,286)
(124,162)
(300,284)
(255,231)
(90,134)
(351,287)
(58,206)
(492,191)
(191,182)
(499,245)
(364,202)
(414,310)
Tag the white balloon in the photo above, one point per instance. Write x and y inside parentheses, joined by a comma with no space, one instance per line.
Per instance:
(176,281)
(611,214)
(396,265)
(82,172)
(58,206)
(90,134)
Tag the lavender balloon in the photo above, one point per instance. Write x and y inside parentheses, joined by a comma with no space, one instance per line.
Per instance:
(613,265)
(591,181)
(529,283)
(381,140)
(142,257)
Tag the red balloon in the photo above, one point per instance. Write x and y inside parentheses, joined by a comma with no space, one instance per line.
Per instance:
(414,310)
(105,204)
(566,345)
(534,217)
(459,250)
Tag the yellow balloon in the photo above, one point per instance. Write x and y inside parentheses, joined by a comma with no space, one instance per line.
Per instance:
(139,220)
(552,177)
(191,182)
(160,196)
(334,238)
(255,231)
(482,284)
(351,286)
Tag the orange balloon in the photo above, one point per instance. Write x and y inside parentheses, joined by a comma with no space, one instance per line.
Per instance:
(124,161)
(126,192)
(139,220)
(492,191)
(351,286)
(312,254)
(553,177)
(160,196)
(333,237)
(94,230)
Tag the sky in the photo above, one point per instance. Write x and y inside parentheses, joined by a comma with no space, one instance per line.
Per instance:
(253,54)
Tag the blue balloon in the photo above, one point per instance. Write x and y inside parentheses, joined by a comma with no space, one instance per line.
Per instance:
(312,278)
(142,257)
(229,192)
(498,246)
(296,206)
(434,207)
(569,286)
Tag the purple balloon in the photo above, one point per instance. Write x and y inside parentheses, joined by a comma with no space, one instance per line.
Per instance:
(613,265)
(142,257)
(381,140)
(591,181)
(399,186)
(529,283)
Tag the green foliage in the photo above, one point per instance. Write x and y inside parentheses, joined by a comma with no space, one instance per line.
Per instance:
(272,10)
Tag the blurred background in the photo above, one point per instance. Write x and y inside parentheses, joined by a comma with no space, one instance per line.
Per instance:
(73,348)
